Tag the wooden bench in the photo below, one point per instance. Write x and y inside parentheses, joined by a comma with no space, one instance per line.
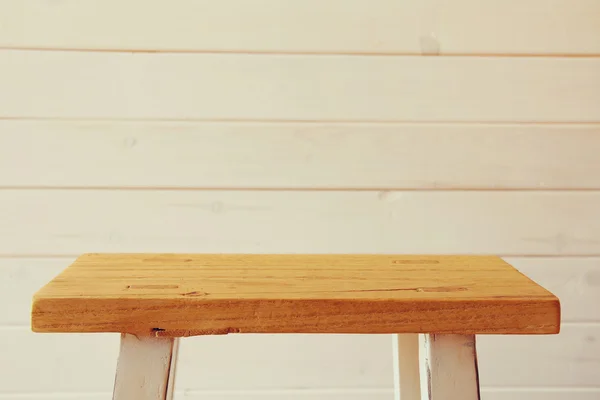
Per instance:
(153,299)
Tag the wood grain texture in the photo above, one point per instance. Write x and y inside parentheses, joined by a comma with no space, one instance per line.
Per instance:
(96,85)
(19,280)
(187,294)
(554,367)
(298,155)
(289,361)
(145,368)
(347,26)
(449,367)
(71,222)
(574,280)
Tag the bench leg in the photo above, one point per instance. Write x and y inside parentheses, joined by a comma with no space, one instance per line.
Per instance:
(406,366)
(146,368)
(449,367)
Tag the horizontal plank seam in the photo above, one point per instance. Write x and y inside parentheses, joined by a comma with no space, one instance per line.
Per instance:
(308,121)
(316,123)
(288,189)
(72,256)
(298,53)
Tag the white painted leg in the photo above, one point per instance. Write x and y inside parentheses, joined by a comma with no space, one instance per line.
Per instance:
(449,367)
(172,370)
(146,368)
(406,366)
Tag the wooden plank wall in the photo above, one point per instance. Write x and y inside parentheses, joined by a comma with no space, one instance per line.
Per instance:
(425,126)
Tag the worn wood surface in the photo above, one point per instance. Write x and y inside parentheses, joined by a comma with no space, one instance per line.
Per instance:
(187,294)
(146,368)
(574,280)
(449,368)
(406,366)
(71,153)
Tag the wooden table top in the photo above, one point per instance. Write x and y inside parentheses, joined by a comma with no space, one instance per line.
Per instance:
(196,294)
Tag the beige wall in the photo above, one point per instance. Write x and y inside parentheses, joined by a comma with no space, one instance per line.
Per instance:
(300,126)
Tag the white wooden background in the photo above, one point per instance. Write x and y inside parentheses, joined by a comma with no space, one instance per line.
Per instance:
(407,126)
